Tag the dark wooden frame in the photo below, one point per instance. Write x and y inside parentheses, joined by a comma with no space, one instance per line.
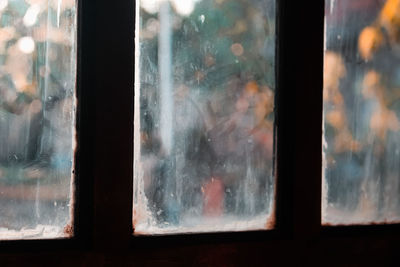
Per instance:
(103,224)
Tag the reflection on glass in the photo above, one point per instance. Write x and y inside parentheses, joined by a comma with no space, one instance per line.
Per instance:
(204,116)
(361,112)
(37,117)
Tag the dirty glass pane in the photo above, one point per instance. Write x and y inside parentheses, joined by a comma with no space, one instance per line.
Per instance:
(361,112)
(204,116)
(37,117)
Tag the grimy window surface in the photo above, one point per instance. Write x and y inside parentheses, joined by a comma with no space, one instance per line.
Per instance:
(37,116)
(204,116)
(361,112)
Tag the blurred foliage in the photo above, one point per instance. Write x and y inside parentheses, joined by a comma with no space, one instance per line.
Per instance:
(218,40)
(37,86)
(223,83)
(362,109)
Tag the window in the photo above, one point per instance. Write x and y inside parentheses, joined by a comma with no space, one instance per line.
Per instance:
(37,117)
(204,132)
(105,172)
(361,112)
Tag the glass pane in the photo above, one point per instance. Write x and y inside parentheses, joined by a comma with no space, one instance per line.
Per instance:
(37,117)
(361,112)
(204,116)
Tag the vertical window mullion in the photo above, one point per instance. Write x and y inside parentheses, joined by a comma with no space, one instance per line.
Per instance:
(299,126)
(113,89)
(83,212)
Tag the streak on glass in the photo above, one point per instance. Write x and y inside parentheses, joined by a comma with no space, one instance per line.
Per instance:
(37,117)
(204,116)
(361,112)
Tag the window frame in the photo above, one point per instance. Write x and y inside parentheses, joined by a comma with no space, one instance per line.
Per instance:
(104,169)
(82,187)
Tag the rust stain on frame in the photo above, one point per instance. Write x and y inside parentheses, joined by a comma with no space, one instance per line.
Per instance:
(68,230)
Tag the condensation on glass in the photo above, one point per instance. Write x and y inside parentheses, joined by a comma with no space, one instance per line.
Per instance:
(361,148)
(204,116)
(37,117)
